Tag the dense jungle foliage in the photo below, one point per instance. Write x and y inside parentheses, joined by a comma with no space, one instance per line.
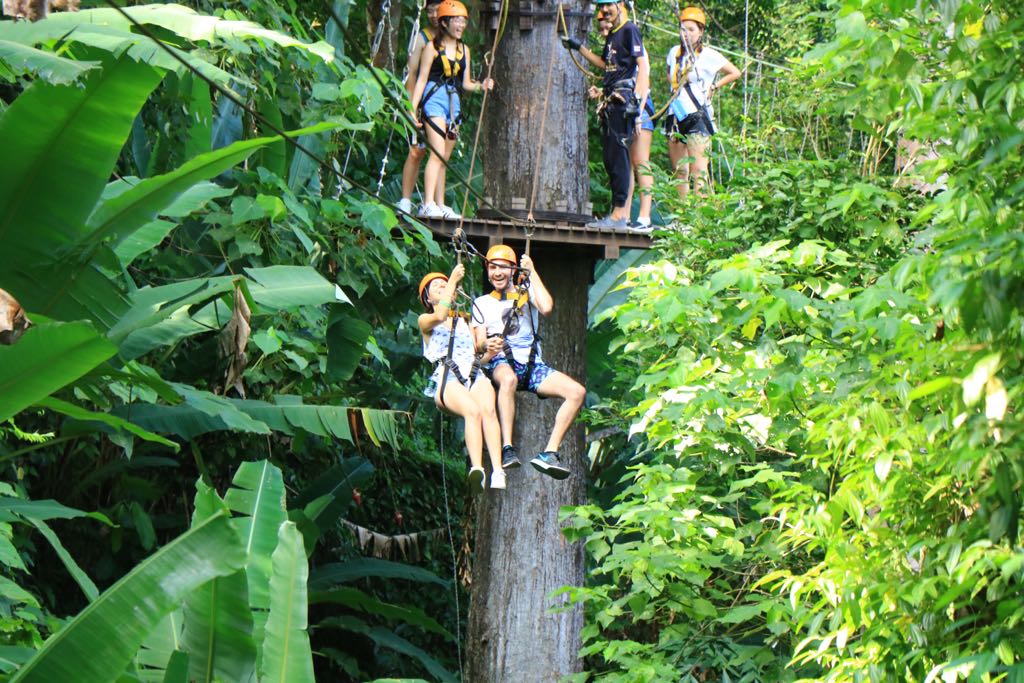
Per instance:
(216,460)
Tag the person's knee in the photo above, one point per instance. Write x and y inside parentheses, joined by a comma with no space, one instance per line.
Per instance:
(416,153)
(576,393)
(507,382)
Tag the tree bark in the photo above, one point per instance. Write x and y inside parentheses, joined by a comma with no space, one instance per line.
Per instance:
(515,112)
(520,555)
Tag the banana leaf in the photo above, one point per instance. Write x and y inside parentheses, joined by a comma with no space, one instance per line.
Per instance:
(287,657)
(23,60)
(45,359)
(385,638)
(60,144)
(257,493)
(328,575)
(98,644)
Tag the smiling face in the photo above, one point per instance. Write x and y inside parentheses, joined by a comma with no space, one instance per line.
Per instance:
(456,26)
(499,273)
(435,290)
(692,31)
(609,14)
(432,15)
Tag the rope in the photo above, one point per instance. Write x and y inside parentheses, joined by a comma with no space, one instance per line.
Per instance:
(572,53)
(540,136)
(489,61)
(378,37)
(451,544)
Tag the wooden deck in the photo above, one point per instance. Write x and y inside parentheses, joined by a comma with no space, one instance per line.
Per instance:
(544,235)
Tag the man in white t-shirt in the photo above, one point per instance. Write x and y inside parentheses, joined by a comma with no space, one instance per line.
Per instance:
(692,69)
(509,329)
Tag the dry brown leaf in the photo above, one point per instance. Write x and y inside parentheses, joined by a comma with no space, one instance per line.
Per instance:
(13,321)
(234,339)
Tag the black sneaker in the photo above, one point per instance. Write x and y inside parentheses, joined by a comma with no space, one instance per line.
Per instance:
(509,458)
(547,462)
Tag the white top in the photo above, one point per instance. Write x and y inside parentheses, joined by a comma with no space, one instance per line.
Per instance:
(495,313)
(709,62)
(463,352)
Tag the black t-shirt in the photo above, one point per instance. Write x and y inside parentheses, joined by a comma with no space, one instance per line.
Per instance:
(622,47)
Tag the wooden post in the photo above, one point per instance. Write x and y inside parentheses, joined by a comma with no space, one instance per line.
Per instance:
(520,556)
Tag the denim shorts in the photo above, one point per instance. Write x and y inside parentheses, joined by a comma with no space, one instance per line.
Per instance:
(443,103)
(541,371)
(647,116)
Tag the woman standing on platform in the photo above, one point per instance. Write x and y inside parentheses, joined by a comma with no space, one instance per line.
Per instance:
(692,69)
(444,71)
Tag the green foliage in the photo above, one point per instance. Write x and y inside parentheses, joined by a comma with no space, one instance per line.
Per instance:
(819,378)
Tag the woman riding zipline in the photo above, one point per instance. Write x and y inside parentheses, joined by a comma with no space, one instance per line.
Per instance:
(692,67)
(444,70)
(457,384)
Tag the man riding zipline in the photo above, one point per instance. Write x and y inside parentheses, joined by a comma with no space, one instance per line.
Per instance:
(510,332)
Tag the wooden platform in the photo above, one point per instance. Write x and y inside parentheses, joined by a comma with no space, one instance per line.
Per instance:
(545,235)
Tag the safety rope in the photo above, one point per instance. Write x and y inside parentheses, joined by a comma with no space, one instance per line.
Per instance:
(540,135)
(451,544)
(489,61)
(572,53)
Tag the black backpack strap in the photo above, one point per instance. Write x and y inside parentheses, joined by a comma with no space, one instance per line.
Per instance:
(448,359)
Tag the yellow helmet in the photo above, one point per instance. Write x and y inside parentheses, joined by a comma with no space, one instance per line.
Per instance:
(694,14)
(501,252)
(451,8)
(425,282)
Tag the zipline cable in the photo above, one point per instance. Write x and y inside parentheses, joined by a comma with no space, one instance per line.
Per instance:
(540,135)
(451,541)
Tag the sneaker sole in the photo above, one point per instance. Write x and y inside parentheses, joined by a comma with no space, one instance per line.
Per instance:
(512,465)
(558,473)
(476,479)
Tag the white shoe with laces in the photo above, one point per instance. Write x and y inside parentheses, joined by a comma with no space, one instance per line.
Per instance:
(405,205)
(498,479)
(430,210)
(449,214)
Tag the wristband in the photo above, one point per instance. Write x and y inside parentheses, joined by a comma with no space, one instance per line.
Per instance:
(445,302)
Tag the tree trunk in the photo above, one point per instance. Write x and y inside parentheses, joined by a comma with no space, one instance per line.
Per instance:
(515,112)
(520,555)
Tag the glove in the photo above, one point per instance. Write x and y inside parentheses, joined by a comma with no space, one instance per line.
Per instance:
(571,43)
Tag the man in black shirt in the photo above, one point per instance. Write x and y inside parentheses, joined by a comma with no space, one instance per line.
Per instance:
(625,85)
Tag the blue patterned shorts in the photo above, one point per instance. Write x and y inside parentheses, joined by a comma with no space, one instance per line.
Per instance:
(541,371)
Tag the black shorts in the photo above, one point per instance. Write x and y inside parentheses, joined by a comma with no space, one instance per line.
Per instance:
(693,124)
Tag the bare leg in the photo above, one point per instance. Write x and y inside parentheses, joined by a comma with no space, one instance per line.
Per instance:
(449,147)
(483,393)
(411,170)
(457,399)
(641,153)
(677,154)
(435,167)
(697,147)
(572,394)
(506,380)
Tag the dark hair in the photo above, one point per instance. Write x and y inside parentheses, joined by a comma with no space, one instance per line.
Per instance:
(439,36)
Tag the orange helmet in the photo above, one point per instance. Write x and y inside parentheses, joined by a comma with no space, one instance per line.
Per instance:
(501,252)
(451,8)
(425,282)
(694,14)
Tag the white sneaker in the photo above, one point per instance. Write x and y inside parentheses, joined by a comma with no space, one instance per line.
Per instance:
(405,205)
(449,214)
(498,479)
(430,210)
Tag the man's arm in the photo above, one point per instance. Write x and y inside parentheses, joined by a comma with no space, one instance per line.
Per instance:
(412,67)
(541,296)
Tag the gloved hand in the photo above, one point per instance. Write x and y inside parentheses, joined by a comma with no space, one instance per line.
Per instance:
(571,43)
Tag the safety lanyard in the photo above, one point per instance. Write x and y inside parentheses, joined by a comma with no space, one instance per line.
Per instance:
(677,66)
(452,68)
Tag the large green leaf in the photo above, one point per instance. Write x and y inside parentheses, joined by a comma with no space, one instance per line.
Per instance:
(83,417)
(191,25)
(342,572)
(258,495)
(75,134)
(122,215)
(77,573)
(286,653)
(42,510)
(26,60)
(288,286)
(97,645)
(356,599)
(218,623)
(46,358)
(390,640)
(159,646)
(346,344)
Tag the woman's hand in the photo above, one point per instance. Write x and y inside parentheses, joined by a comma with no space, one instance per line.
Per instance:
(458,272)
(487,84)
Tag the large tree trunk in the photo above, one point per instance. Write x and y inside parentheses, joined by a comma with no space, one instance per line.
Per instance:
(520,555)
(515,110)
